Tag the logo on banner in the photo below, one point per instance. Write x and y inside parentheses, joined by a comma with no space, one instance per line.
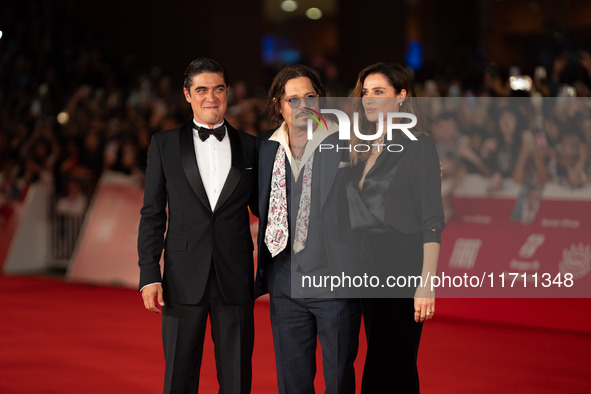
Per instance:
(576,260)
(317,116)
(530,246)
(464,253)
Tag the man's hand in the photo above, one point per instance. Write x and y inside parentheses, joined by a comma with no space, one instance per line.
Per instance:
(149,294)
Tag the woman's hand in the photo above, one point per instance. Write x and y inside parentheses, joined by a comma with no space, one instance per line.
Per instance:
(425,292)
(424,305)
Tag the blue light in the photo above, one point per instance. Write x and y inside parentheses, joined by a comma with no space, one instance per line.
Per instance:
(269,49)
(278,50)
(290,56)
(414,55)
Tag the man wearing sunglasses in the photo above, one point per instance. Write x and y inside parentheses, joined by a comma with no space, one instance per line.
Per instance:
(299,235)
(308,101)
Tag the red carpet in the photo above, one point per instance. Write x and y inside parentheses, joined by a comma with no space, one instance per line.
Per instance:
(58,337)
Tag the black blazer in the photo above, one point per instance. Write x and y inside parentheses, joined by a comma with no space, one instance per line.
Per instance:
(401,192)
(196,236)
(334,228)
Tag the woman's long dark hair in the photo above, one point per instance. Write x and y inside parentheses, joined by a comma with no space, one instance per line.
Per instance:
(399,79)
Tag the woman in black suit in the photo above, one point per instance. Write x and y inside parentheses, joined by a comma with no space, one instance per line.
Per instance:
(397,215)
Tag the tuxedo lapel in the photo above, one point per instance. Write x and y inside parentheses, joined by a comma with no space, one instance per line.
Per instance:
(235,170)
(329,164)
(267,155)
(189,160)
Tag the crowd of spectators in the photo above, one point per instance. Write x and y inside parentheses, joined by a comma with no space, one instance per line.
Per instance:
(505,131)
(511,141)
(68,110)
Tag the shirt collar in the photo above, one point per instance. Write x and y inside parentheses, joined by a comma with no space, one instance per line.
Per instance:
(319,135)
(205,126)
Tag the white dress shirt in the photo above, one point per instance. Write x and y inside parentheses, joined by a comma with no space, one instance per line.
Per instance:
(214,159)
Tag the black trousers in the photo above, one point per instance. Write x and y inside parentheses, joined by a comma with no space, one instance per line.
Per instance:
(183,333)
(392,346)
(296,325)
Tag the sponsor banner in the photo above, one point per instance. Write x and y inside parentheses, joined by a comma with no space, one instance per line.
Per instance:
(547,258)
(10,214)
(27,232)
(107,247)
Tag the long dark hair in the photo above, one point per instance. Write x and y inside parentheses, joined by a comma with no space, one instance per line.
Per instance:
(399,80)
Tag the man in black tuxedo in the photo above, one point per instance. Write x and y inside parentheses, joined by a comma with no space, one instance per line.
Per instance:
(200,181)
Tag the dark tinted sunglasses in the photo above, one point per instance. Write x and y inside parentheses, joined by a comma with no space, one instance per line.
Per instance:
(294,102)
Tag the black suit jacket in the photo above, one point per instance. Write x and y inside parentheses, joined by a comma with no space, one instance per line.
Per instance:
(330,167)
(197,238)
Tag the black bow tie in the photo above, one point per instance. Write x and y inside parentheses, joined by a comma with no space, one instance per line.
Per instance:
(219,132)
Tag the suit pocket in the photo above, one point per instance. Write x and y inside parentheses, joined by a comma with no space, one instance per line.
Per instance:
(244,245)
(175,244)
